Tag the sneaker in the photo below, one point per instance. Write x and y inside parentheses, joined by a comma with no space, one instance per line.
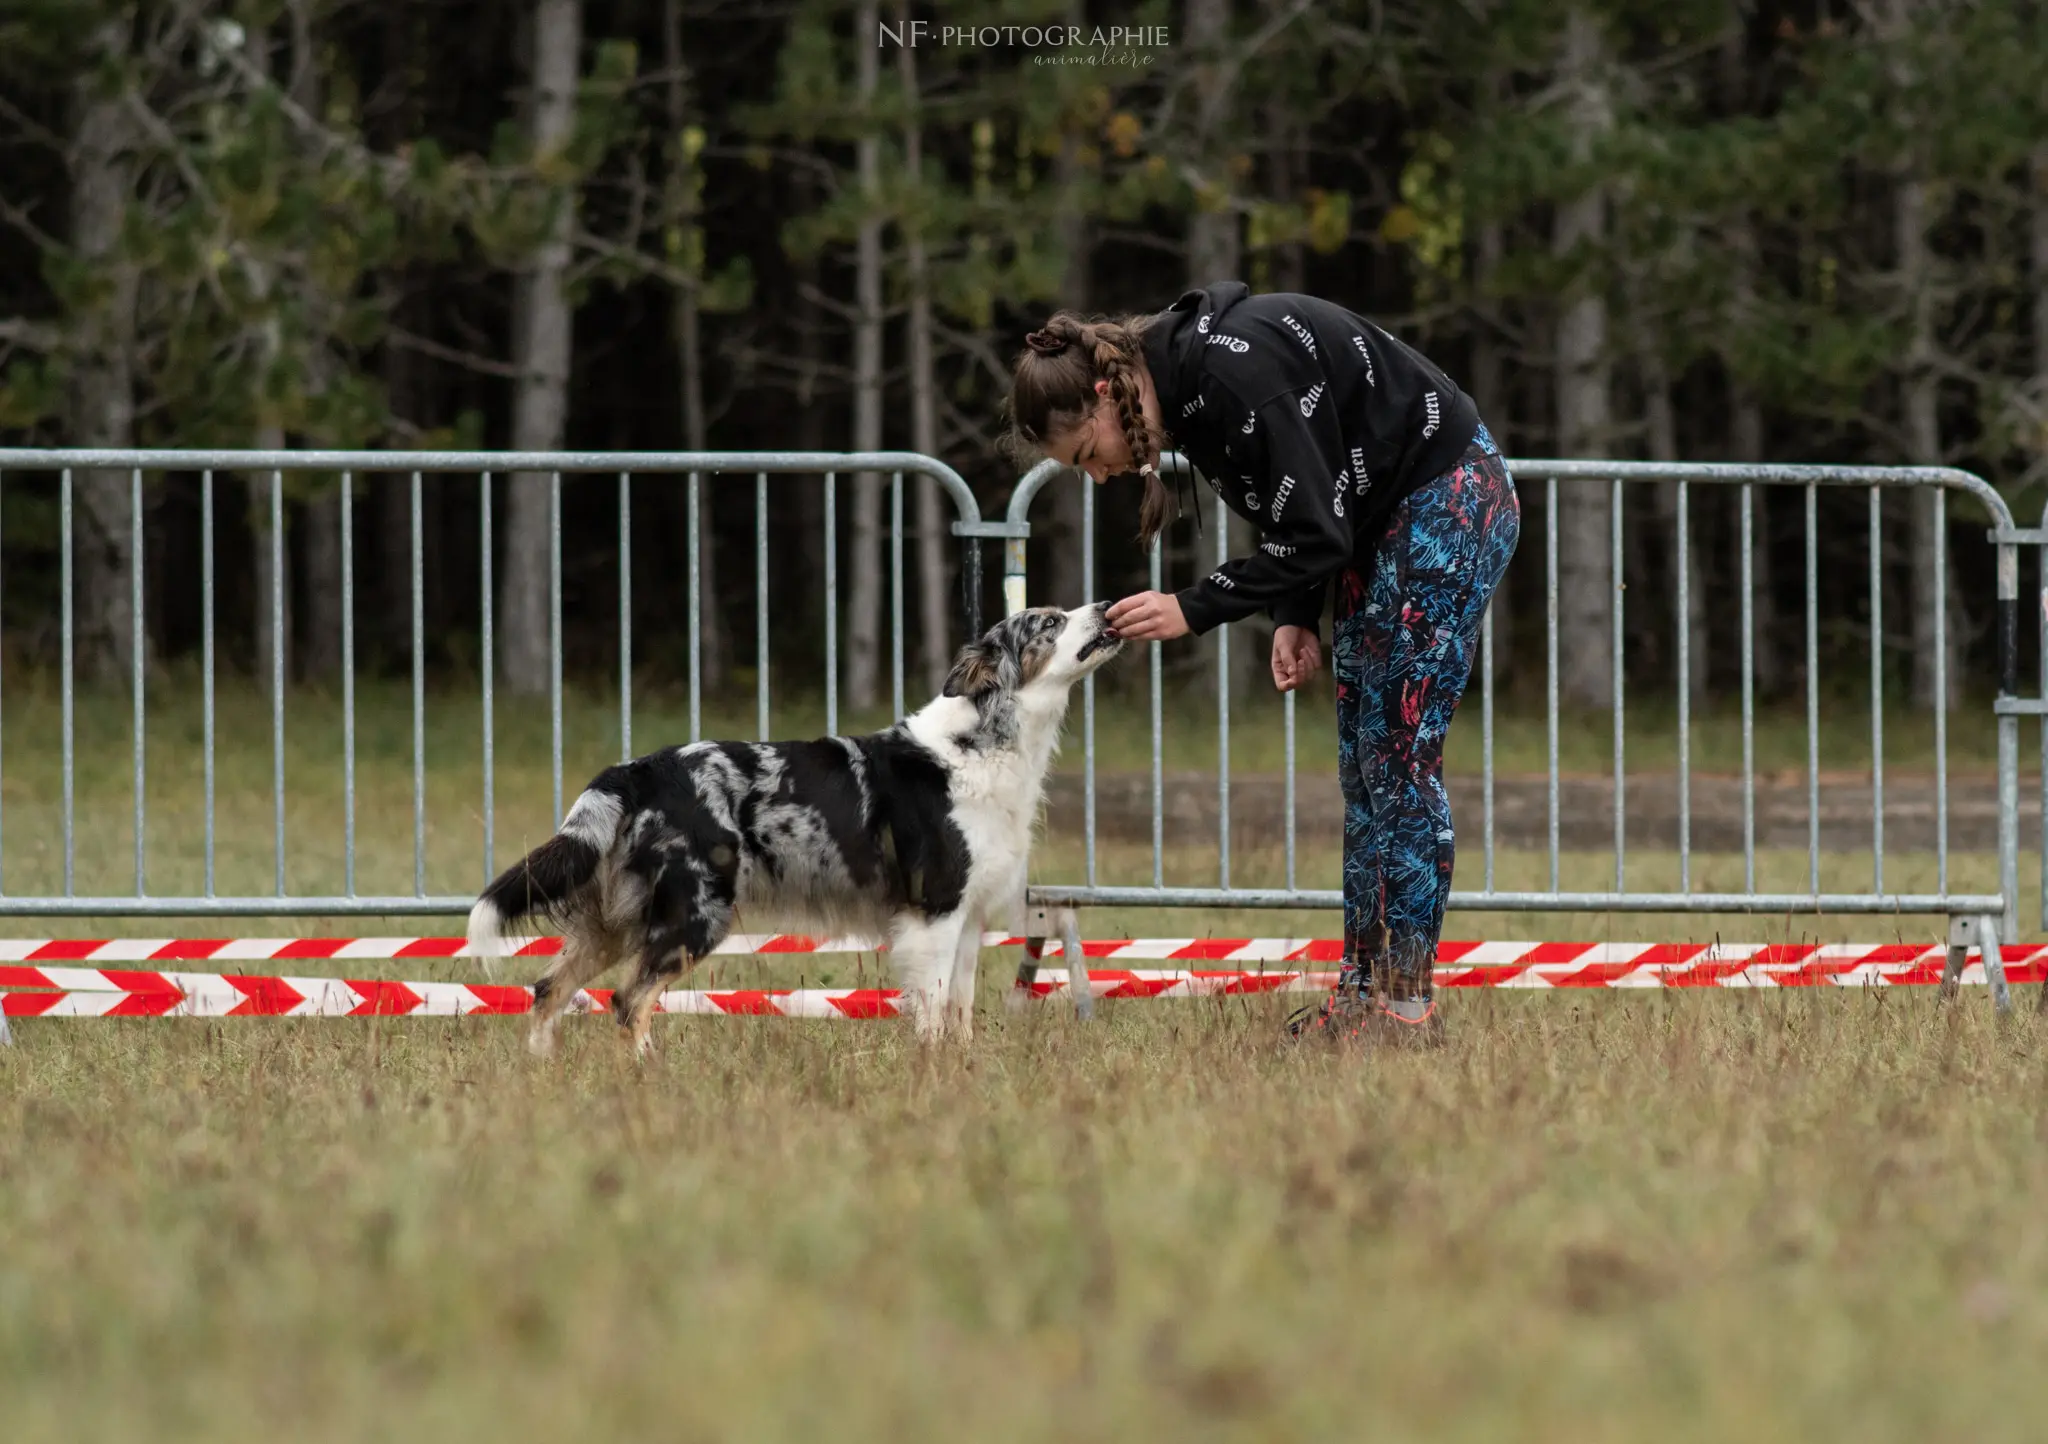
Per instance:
(1410,1023)
(1379,1015)
(1344,1014)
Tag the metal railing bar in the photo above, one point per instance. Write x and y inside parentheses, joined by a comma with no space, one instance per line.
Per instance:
(1158,731)
(419,694)
(625,616)
(67,625)
(1550,659)
(3,754)
(348,684)
(277,668)
(458,905)
(488,665)
(1862,904)
(1088,693)
(1939,501)
(1748,584)
(1813,692)
(1485,745)
(1683,544)
(1222,711)
(1617,588)
(206,609)
(555,638)
(832,603)
(1287,716)
(696,615)
(138,656)
(761,604)
(1876,692)
(896,595)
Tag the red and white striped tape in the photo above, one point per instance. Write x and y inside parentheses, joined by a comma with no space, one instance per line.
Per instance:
(213,995)
(101,992)
(1893,967)
(92,951)
(251,950)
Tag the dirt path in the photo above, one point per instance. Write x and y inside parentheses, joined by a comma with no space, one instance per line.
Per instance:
(1585,810)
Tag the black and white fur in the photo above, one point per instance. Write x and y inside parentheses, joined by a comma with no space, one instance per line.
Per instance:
(914,835)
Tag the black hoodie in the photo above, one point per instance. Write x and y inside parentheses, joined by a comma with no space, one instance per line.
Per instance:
(1309,421)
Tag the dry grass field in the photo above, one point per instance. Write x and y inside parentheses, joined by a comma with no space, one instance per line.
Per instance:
(1753,1215)
(1793,1216)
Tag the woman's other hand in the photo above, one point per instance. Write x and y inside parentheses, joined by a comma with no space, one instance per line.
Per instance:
(1148,617)
(1297,657)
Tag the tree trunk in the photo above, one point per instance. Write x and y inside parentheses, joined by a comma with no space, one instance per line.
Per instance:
(1215,249)
(1215,253)
(2040,262)
(1919,384)
(864,561)
(1278,268)
(1746,444)
(1767,643)
(1058,512)
(714,640)
(318,651)
(1289,165)
(273,561)
(934,588)
(1489,393)
(816,418)
(273,581)
(2038,257)
(541,324)
(320,656)
(1661,428)
(1585,596)
(102,400)
(1923,439)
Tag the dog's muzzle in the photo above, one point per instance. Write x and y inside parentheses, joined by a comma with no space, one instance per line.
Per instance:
(1105,640)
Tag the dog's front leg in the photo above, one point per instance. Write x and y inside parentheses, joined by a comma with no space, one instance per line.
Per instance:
(960,988)
(923,953)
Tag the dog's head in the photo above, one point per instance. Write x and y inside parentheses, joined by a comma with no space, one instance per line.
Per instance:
(1031,659)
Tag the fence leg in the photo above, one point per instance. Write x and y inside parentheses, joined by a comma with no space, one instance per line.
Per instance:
(1983,931)
(1077,964)
(1992,952)
(1027,973)
(6,1033)
(970,586)
(1961,932)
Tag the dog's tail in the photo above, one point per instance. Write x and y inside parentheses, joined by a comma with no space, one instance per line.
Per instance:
(549,881)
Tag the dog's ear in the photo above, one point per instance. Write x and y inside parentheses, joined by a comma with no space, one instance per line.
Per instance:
(975,671)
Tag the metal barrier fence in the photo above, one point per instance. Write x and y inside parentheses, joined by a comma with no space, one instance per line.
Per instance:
(1981,917)
(1975,917)
(483,466)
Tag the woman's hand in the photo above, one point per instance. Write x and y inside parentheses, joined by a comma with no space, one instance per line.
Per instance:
(1297,657)
(1148,617)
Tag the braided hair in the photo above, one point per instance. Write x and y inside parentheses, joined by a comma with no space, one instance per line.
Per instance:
(1052,389)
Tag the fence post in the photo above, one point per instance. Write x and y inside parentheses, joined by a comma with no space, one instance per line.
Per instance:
(1998,912)
(216,902)
(2009,739)
(970,578)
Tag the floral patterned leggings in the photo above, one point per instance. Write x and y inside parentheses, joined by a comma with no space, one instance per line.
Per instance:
(1402,650)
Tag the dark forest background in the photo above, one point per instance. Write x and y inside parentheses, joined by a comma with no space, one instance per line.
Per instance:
(1695,229)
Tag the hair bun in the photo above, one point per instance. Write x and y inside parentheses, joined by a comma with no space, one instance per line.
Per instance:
(1045,343)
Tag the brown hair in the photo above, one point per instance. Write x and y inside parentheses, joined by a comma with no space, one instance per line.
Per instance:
(1052,388)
